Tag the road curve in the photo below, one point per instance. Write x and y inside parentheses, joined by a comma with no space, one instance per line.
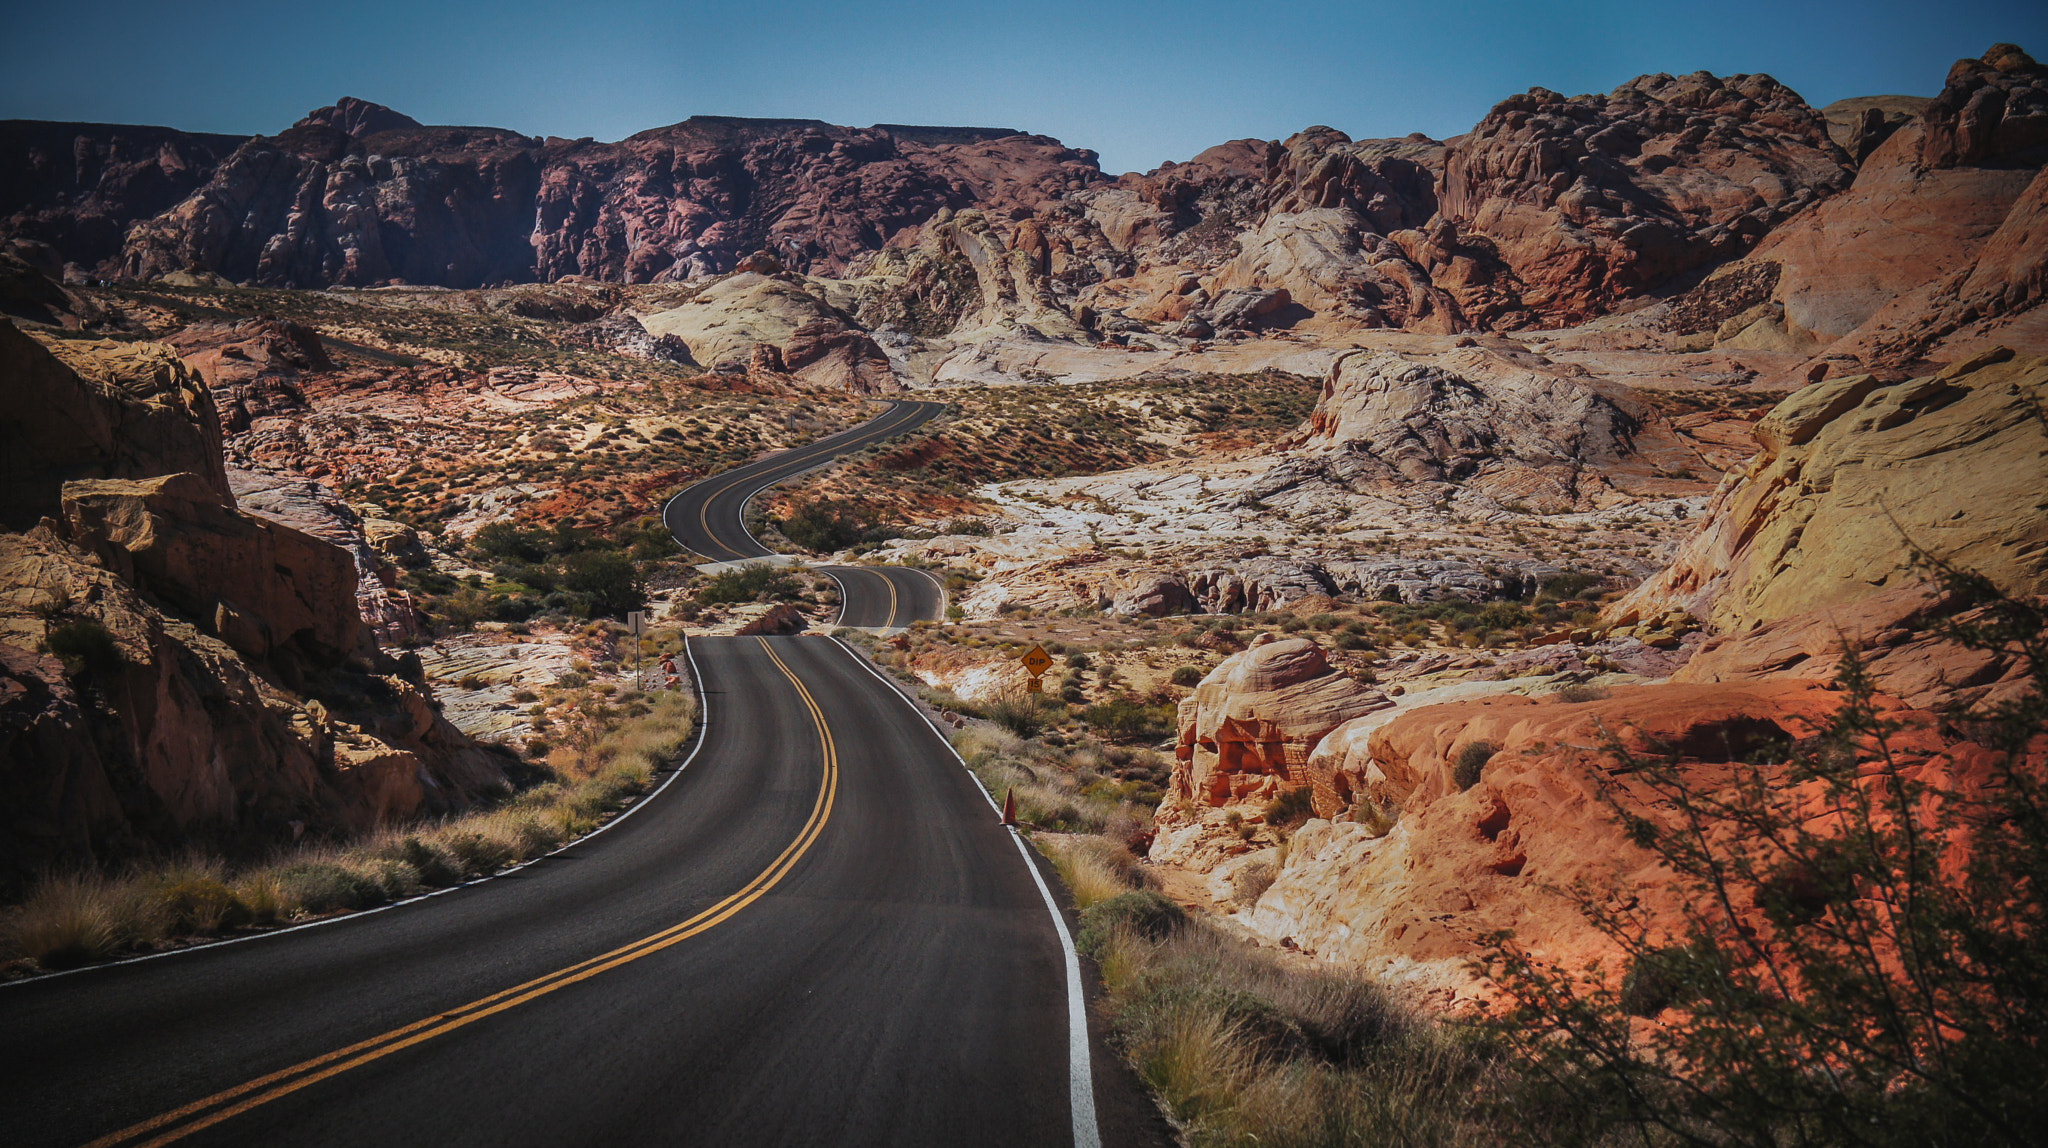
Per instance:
(814,932)
(709,518)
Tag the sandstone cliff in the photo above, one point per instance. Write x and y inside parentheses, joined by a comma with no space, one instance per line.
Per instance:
(174,671)
(1851,475)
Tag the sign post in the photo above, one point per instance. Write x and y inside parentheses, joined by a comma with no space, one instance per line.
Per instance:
(1036,661)
(636,621)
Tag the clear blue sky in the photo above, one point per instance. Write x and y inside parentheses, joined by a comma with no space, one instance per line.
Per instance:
(1139,82)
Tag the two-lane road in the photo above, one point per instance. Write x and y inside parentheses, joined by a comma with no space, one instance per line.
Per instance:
(709,518)
(814,932)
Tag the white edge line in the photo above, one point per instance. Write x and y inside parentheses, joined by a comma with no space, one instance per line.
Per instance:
(698,735)
(1080,1068)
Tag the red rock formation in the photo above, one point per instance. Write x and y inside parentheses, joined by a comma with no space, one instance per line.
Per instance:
(1247,730)
(1462,863)
(1594,199)
(252,367)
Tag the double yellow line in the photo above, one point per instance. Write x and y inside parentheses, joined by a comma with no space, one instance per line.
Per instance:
(182,1122)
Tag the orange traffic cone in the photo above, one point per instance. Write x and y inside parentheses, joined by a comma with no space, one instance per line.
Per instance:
(1009,807)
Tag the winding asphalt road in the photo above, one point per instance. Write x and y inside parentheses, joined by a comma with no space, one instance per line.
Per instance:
(709,519)
(813,932)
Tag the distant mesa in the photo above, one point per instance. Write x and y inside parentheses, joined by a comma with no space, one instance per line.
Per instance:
(359,118)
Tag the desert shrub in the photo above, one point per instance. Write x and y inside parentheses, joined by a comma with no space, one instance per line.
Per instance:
(1579,692)
(607,582)
(1023,716)
(432,866)
(1292,807)
(1187,676)
(748,584)
(1471,762)
(84,646)
(1250,882)
(68,921)
(476,852)
(1871,977)
(1129,719)
(325,886)
(1094,869)
(824,526)
(1142,912)
(1567,586)
(200,904)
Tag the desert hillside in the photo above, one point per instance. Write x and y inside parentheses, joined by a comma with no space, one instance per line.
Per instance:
(1533,574)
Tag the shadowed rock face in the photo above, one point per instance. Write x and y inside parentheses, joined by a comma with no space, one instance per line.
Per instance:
(217,681)
(358,194)
(104,410)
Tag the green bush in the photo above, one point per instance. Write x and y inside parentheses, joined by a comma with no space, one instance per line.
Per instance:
(1471,762)
(607,581)
(1187,676)
(85,646)
(747,584)
(824,526)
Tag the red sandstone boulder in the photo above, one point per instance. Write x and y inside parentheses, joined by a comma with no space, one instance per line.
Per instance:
(1247,730)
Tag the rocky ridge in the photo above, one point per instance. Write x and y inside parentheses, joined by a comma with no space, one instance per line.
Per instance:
(933,250)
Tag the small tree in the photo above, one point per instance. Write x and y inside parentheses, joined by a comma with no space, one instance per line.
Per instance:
(1863,949)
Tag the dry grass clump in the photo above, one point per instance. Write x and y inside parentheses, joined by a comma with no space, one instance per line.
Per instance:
(1058,789)
(1094,868)
(79,918)
(1245,1051)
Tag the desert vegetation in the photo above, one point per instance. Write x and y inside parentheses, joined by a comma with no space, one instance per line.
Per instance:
(604,758)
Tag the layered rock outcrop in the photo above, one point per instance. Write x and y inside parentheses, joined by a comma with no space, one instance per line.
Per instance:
(1415,901)
(1247,731)
(777,323)
(1852,475)
(253,366)
(98,410)
(173,670)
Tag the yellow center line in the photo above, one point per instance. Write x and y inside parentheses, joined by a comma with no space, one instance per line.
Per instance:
(341,1060)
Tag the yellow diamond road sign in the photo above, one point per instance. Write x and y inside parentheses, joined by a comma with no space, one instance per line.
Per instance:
(1037,660)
